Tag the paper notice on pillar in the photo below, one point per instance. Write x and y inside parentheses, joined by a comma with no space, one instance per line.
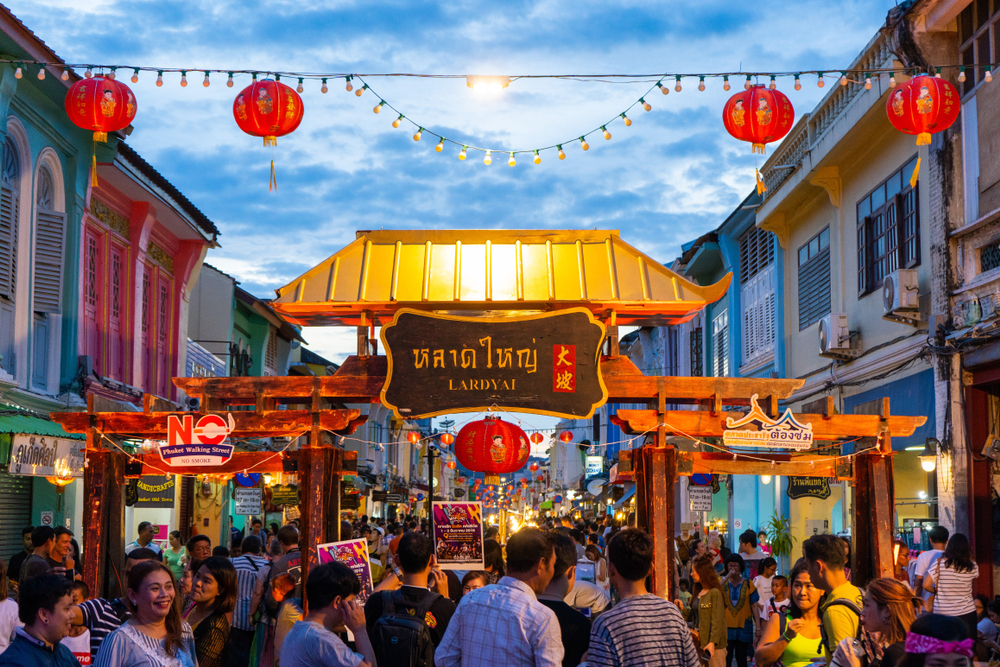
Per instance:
(458,535)
(353,554)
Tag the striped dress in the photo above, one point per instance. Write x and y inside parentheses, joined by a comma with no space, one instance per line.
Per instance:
(953,590)
(127,647)
(641,630)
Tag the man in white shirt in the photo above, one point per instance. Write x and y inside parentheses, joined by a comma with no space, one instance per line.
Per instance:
(938,536)
(586,595)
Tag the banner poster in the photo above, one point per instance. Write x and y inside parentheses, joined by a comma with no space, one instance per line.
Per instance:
(353,554)
(458,535)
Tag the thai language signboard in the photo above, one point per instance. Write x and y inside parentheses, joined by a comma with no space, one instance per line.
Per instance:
(545,364)
(45,456)
(756,429)
(809,487)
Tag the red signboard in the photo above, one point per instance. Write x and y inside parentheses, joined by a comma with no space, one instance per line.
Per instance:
(564,368)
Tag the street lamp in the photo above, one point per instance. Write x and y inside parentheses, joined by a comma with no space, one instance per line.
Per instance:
(928,457)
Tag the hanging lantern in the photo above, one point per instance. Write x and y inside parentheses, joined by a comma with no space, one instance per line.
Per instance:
(566,436)
(447,438)
(760,116)
(268,109)
(492,446)
(413,437)
(451,465)
(533,467)
(101,105)
(541,478)
(922,106)
(537,438)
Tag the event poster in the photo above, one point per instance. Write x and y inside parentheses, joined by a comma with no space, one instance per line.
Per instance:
(353,554)
(458,535)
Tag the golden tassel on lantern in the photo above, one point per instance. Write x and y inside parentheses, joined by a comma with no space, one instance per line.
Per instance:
(924,139)
(761,188)
(270,141)
(93,170)
(758,148)
(916,172)
(272,185)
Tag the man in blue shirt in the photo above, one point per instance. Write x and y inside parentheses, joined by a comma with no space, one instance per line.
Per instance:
(46,609)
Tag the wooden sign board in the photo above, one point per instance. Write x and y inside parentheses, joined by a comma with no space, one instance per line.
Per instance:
(545,364)
(809,487)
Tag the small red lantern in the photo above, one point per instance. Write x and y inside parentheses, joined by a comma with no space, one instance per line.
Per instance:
(101,105)
(922,106)
(541,478)
(533,467)
(413,436)
(537,438)
(760,116)
(492,446)
(268,109)
(566,436)
(447,438)
(451,465)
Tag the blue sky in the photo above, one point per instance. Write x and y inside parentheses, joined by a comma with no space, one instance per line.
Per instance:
(668,178)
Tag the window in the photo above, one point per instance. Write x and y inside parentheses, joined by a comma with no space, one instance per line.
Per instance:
(979,39)
(757,294)
(814,279)
(48,246)
(271,353)
(888,230)
(10,207)
(989,257)
(697,341)
(720,345)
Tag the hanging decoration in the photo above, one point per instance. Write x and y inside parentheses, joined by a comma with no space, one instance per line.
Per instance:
(760,116)
(100,104)
(566,436)
(924,105)
(492,446)
(533,467)
(537,438)
(268,109)
(447,438)
(413,437)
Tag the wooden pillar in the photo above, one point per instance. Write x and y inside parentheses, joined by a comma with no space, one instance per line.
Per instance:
(104,521)
(655,470)
(979,485)
(873,517)
(335,462)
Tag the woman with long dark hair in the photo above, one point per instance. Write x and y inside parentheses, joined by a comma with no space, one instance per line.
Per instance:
(214,596)
(493,560)
(708,611)
(952,579)
(796,639)
(155,636)
(889,612)
(935,640)
(740,597)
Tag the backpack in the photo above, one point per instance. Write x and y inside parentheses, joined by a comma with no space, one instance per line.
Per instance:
(399,638)
(868,645)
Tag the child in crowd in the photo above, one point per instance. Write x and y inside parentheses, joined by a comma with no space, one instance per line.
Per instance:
(78,641)
(685,592)
(762,582)
(779,596)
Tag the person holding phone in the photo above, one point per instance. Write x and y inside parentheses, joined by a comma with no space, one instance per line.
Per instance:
(794,637)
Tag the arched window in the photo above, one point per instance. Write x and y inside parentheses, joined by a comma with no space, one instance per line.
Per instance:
(10,205)
(50,228)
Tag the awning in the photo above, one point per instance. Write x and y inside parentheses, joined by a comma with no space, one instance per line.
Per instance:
(17,422)
(628,496)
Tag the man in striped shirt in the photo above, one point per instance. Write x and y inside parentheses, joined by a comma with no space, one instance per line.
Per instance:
(102,617)
(251,573)
(641,629)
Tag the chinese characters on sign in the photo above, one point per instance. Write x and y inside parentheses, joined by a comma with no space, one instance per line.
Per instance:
(547,364)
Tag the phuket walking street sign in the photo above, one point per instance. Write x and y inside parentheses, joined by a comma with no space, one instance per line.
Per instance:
(545,364)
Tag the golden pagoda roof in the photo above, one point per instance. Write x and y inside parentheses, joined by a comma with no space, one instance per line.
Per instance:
(491,272)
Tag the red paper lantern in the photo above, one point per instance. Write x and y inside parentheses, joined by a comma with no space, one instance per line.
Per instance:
(451,465)
(533,467)
(492,446)
(101,105)
(413,436)
(541,478)
(566,436)
(537,438)
(447,438)
(760,116)
(922,106)
(268,109)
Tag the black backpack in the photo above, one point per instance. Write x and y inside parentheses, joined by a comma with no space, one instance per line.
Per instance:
(399,638)
(871,654)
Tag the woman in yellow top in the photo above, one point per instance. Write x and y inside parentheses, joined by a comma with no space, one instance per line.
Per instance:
(795,640)
(709,612)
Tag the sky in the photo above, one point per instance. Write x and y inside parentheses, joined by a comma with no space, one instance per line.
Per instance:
(667,179)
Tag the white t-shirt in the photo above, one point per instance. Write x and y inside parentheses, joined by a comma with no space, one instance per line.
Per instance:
(8,622)
(778,607)
(586,594)
(763,586)
(80,647)
(924,562)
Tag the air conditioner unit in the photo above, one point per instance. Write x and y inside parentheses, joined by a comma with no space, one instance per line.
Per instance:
(900,297)
(835,337)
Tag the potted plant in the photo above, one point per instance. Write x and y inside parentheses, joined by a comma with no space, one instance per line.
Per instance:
(779,536)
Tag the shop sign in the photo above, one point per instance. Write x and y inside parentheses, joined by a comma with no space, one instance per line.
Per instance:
(45,456)
(545,364)
(595,466)
(350,502)
(378,496)
(701,498)
(201,443)
(395,497)
(756,429)
(285,495)
(809,487)
(155,491)
(248,501)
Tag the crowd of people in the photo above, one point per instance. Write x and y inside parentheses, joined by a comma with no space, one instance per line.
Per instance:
(558,594)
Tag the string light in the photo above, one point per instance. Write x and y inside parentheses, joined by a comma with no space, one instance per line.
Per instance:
(299,88)
(798,84)
(725,82)
(395,123)
(607,135)
(113,73)
(324,88)
(584,145)
(135,76)
(440,145)
(510,161)
(678,86)
(773,85)
(819,82)
(88,74)
(184,79)
(207,83)
(961,75)
(461,156)
(378,107)
(645,105)
(892,80)
(41,74)
(361,91)
(488,160)
(159,78)
(988,76)
(349,85)
(420,132)
(843,78)
(868,81)
(538,158)
(663,89)
(701,83)
(562,155)
(65,75)
(17,72)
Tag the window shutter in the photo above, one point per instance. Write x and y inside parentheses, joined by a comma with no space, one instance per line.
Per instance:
(271,353)
(8,242)
(40,358)
(814,289)
(757,303)
(863,255)
(49,261)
